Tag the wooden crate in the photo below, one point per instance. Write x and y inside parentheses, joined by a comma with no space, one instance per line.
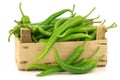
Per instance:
(26,51)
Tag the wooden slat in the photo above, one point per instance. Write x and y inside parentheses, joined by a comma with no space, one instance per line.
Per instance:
(100,32)
(25,35)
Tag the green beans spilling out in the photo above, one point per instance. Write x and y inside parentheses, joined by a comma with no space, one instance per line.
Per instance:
(87,67)
(75,55)
(84,65)
(56,28)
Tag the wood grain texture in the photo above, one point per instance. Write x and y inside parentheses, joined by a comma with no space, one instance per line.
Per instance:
(100,32)
(25,35)
(26,51)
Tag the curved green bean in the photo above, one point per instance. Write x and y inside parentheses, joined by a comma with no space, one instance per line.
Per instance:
(55,15)
(38,66)
(75,37)
(25,19)
(81,69)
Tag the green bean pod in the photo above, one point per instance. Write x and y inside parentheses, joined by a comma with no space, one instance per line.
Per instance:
(77,70)
(35,27)
(55,15)
(59,22)
(85,60)
(25,19)
(34,38)
(75,37)
(38,66)
(15,31)
(41,30)
(92,36)
(43,40)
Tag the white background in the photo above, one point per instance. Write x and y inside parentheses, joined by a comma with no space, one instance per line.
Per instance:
(39,10)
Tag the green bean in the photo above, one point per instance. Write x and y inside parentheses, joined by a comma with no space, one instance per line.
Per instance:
(34,39)
(92,36)
(25,19)
(76,54)
(41,30)
(55,15)
(74,37)
(45,33)
(38,66)
(85,60)
(15,31)
(35,28)
(81,69)
(59,22)
(43,40)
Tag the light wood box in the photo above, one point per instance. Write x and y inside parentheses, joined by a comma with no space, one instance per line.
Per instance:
(26,51)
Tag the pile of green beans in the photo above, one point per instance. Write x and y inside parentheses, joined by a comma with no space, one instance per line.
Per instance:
(43,30)
(84,65)
(56,28)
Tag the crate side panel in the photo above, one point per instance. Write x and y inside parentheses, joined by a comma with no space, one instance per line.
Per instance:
(29,51)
